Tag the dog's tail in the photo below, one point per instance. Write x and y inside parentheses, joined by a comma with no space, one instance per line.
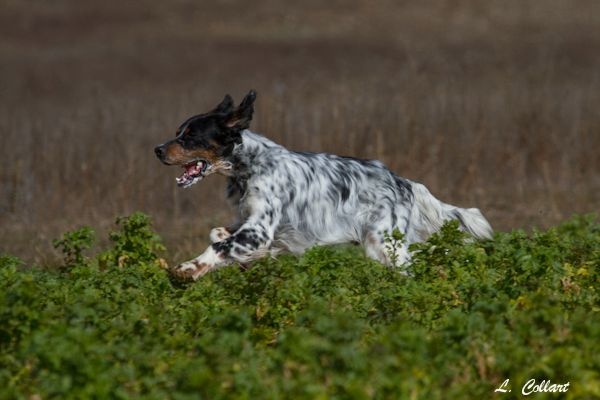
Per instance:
(429,214)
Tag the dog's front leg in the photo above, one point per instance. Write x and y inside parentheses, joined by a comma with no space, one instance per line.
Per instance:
(200,265)
(219,234)
(249,242)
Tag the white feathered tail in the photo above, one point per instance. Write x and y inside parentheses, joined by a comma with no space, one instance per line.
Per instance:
(429,214)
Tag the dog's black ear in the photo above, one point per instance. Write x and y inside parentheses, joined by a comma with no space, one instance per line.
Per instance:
(225,106)
(248,100)
(241,117)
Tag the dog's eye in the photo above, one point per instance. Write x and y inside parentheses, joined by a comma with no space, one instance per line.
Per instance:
(184,141)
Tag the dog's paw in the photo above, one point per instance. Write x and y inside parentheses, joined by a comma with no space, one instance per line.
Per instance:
(190,270)
(219,234)
(184,271)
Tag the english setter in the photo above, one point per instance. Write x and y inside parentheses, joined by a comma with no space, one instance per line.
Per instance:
(288,200)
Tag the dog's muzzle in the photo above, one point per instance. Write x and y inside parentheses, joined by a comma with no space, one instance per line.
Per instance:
(160,152)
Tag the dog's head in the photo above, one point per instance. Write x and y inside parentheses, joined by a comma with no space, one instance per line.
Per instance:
(204,142)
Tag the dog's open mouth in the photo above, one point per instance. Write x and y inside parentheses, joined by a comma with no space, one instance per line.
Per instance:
(193,173)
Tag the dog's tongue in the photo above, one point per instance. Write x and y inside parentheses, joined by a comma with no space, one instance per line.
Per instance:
(192,172)
(193,169)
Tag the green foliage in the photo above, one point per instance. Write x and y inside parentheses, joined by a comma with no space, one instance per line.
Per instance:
(8,261)
(393,243)
(330,324)
(135,242)
(73,244)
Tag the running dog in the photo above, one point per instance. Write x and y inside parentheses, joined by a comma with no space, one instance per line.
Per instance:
(290,201)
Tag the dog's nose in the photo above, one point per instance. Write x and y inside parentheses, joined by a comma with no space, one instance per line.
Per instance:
(159,151)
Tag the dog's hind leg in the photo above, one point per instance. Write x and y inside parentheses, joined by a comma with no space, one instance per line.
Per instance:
(388,252)
(378,238)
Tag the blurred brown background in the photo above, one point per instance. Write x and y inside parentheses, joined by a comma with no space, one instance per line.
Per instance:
(491,104)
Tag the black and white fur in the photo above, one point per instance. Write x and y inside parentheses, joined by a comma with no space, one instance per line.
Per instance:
(290,201)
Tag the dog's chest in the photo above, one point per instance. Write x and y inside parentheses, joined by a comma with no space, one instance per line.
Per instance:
(236,189)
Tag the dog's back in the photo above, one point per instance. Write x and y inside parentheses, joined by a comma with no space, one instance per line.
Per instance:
(328,199)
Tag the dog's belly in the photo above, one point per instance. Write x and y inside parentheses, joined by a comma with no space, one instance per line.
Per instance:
(297,240)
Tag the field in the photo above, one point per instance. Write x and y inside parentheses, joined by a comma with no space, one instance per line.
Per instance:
(490,104)
(329,325)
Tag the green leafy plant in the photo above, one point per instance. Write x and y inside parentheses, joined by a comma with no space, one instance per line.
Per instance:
(8,261)
(329,324)
(73,244)
(134,242)
(393,243)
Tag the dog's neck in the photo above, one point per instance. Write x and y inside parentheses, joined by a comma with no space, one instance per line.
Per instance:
(253,143)
(247,153)
(246,158)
